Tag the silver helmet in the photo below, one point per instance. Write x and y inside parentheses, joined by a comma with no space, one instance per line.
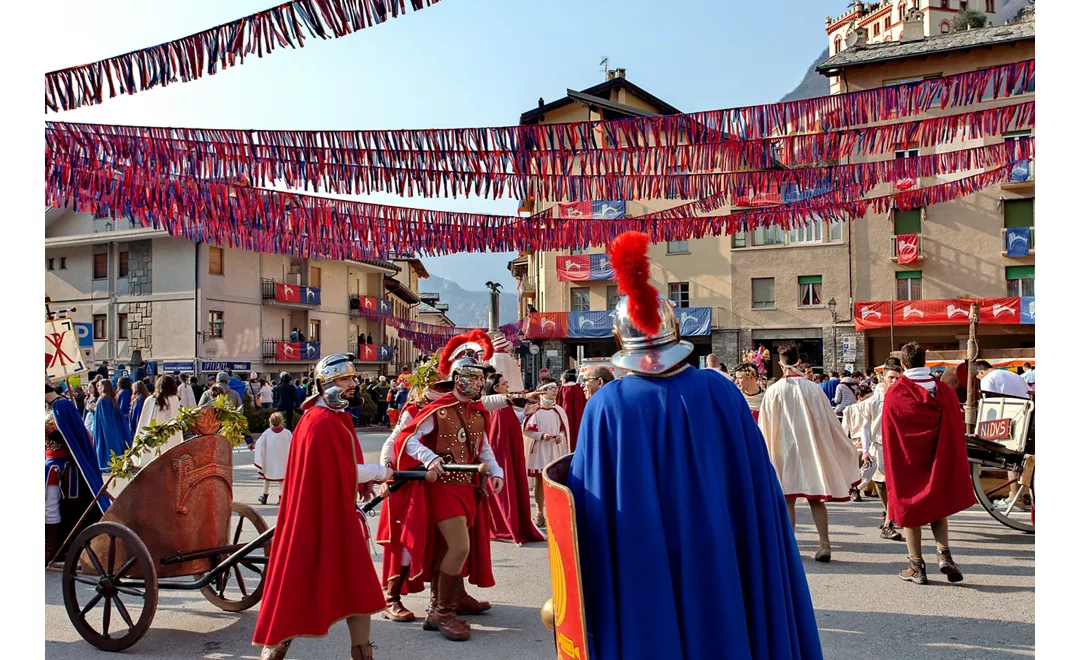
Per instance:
(648,353)
(334,366)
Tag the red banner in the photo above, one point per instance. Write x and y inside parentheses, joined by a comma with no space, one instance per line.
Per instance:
(572,269)
(907,248)
(549,325)
(367,352)
(575,210)
(999,311)
(288,350)
(870,315)
(760,199)
(287,292)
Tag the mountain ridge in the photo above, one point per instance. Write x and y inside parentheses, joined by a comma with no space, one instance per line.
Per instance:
(469,309)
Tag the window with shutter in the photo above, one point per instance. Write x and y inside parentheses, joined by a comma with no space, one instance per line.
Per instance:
(1019,213)
(762,293)
(907,222)
(579,299)
(1020,281)
(101,266)
(909,285)
(122,264)
(612,297)
(809,290)
(216,260)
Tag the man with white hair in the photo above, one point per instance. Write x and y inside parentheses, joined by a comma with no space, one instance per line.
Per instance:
(713,362)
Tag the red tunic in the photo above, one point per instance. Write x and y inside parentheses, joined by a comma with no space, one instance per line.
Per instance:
(408,525)
(511,512)
(319,570)
(572,399)
(925,455)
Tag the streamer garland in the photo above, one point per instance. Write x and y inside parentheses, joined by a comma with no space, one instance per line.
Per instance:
(190,57)
(228,154)
(317,227)
(858,177)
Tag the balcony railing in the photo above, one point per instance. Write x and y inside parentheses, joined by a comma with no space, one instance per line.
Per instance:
(290,294)
(283,351)
(1005,241)
(893,248)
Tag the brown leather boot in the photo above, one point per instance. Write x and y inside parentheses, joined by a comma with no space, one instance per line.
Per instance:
(364,651)
(442,616)
(465,603)
(948,566)
(52,541)
(275,652)
(432,601)
(915,572)
(395,611)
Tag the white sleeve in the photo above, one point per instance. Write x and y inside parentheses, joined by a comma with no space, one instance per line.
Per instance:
(867,439)
(488,456)
(493,402)
(386,455)
(366,473)
(415,449)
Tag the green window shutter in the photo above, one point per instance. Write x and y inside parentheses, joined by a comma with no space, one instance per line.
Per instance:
(809,279)
(1020,213)
(908,222)
(1020,272)
(909,275)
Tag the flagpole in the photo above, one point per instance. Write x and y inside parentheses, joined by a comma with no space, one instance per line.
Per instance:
(892,314)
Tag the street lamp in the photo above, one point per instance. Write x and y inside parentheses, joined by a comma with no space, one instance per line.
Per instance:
(832,308)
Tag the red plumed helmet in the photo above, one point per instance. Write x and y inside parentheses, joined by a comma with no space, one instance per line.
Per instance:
(629,257)
(475,340)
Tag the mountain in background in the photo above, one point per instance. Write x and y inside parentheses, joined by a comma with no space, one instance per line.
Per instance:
(814,84)
(469,309)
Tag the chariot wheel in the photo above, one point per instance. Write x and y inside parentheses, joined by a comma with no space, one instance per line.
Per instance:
(103,600)
(1012,503)
(240,586)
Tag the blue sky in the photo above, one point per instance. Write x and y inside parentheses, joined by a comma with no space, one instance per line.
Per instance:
(458,63)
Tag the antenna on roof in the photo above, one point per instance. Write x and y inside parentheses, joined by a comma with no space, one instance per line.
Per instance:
(604,63)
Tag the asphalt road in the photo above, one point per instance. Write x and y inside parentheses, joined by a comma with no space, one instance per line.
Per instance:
(863,609)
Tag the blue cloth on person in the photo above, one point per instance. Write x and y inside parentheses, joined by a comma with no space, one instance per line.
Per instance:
(686,546)
(123,401)
(79,446)
(111,432)
(136,412)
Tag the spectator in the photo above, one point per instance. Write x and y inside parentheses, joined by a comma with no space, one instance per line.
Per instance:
(1001,381)
(103,369)
(252,389)
(148,383)
(266,395)
(1029,374)
(197,388)
(223,380)
(301,336)
(378,393)
(295,336)
(79,397)
(714,363)
(185,393)
(845,394)
(286,400)
(236,385)
(162,407)
(594,378)
(831,384)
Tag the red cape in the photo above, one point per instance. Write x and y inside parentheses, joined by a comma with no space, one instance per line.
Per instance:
(572,400)
(511,512)
(925,454)
(319,571)
(403,523)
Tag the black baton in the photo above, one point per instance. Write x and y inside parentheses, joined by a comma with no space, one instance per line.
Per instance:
(401,477)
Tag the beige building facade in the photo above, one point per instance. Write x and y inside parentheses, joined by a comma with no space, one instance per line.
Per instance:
(194,307)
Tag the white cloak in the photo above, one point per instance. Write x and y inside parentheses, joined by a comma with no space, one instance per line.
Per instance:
(810,452)
(272,454)
(539,453)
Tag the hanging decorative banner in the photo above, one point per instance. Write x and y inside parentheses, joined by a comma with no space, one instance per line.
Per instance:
(600,267)
(546,325)
(584,267)
(999,311)
(871,315)
(589,325)
(1021,171)
(1018,241)
(695,321)
(63,359)
(287,351)
(202,53)
(907,248)
(374,353)
(759,199)
(309,350)
(1027,310)
(955,311)
(287,293)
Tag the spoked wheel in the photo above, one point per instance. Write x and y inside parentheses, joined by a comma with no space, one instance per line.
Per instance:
(240,587)
(109,608)
(1013,502)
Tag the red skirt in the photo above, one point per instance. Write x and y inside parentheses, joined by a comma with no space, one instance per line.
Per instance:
(446,501)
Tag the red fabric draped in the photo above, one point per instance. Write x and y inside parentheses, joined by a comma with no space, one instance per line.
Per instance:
(511,509)
(405,523)
(572,399)
(319,570)
(925,455)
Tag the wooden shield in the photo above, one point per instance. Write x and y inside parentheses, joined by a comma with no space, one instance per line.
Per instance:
(568,603)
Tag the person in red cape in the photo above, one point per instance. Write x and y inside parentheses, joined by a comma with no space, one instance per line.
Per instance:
(510,510)
(444,530)
(571,398)
(319,570)
(926,465)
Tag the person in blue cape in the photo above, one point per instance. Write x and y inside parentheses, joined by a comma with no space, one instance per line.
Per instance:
(72,475)
(111,433)
(139,396)
(123,397)
(686,547)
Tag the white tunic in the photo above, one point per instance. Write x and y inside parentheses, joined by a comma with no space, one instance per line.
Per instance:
(812,455)
(151,412)
(539,453)
(871,431)
(272,453)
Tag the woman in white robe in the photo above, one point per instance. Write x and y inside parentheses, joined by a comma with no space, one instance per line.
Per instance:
(163,406)
(547,433)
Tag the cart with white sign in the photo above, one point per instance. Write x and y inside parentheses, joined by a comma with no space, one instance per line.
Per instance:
(1004,442)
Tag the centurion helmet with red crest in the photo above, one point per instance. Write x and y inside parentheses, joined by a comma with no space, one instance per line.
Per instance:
(644,322)
(464,354)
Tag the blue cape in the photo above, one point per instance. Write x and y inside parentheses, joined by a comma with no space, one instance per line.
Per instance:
(123,401)
(136,412)
(111,432)
(686,548)
(80,447)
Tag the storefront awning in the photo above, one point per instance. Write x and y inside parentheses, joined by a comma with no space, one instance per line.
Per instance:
(953,311)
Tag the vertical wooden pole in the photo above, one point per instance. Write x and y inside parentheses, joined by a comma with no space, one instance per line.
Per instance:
(971,407)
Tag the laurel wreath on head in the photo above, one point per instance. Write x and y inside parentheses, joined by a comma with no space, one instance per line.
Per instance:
(234,428)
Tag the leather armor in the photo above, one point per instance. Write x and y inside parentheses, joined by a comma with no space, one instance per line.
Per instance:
(459,434)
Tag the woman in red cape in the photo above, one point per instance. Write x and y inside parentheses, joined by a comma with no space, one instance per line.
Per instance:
(320,571)
(571,398)
(510,511)
(926,464)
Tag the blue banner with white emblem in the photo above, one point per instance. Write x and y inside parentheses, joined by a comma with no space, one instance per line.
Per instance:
(611,209)
(311,295)
(1017,241)
(309,350)
(600,267)
(589,325)
(694,321)
(1027,310)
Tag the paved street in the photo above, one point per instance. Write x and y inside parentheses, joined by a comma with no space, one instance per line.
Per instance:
(863,609)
